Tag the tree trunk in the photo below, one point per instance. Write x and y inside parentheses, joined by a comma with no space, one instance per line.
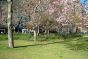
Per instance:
(35,35)
(46,31)
(38,31)
(10,33)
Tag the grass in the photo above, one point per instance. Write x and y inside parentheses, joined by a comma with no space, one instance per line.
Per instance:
(51,47)
(3,37)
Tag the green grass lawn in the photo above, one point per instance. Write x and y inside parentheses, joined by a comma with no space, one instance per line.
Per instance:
(49,49)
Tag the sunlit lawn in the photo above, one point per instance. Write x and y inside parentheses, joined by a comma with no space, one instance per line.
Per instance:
(48,49)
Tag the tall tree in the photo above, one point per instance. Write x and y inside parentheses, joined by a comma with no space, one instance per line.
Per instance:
(9,18)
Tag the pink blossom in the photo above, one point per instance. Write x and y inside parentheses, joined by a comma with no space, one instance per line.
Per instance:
(56,2)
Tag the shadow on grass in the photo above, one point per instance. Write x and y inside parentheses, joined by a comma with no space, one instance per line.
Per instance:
(71,46)
(76,47)
(28,45)
(36,45)
(79,44)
